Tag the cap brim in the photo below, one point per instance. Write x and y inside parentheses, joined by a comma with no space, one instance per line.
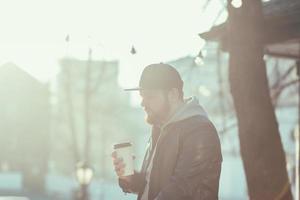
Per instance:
(133,89)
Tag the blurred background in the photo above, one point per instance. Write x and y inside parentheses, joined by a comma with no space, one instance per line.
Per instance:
(64,65)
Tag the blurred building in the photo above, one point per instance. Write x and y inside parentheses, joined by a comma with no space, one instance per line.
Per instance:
(24,130)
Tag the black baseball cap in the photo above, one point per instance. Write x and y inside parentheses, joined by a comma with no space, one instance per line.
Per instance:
(159,76)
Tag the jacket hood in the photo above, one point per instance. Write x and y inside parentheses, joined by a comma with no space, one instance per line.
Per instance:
(190,108)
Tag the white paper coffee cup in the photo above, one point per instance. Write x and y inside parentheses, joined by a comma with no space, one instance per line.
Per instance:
(124,151)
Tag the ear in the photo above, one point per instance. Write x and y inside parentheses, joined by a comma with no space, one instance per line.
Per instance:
(173,95)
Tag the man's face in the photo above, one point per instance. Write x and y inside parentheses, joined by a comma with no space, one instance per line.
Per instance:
(155,104)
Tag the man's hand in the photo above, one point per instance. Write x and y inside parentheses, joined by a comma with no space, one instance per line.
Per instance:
(129,184)
(119,166)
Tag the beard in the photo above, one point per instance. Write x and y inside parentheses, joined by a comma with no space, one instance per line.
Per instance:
(156,118)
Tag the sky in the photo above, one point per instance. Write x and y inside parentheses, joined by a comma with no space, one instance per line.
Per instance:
(33,32)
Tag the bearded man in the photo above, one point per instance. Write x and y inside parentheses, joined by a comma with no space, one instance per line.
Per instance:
(183,159)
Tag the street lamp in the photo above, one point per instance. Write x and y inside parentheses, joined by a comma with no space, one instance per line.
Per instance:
(84,175)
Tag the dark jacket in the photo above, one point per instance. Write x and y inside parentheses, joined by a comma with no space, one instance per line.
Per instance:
(186,164)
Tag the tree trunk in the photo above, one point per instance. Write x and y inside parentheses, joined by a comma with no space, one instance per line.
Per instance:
(260,144)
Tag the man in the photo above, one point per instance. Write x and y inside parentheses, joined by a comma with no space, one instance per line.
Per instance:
(183,160)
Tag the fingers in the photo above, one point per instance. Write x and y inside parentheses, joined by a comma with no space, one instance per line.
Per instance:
(118,164)
(117,160)
(120,172)
(120,168)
